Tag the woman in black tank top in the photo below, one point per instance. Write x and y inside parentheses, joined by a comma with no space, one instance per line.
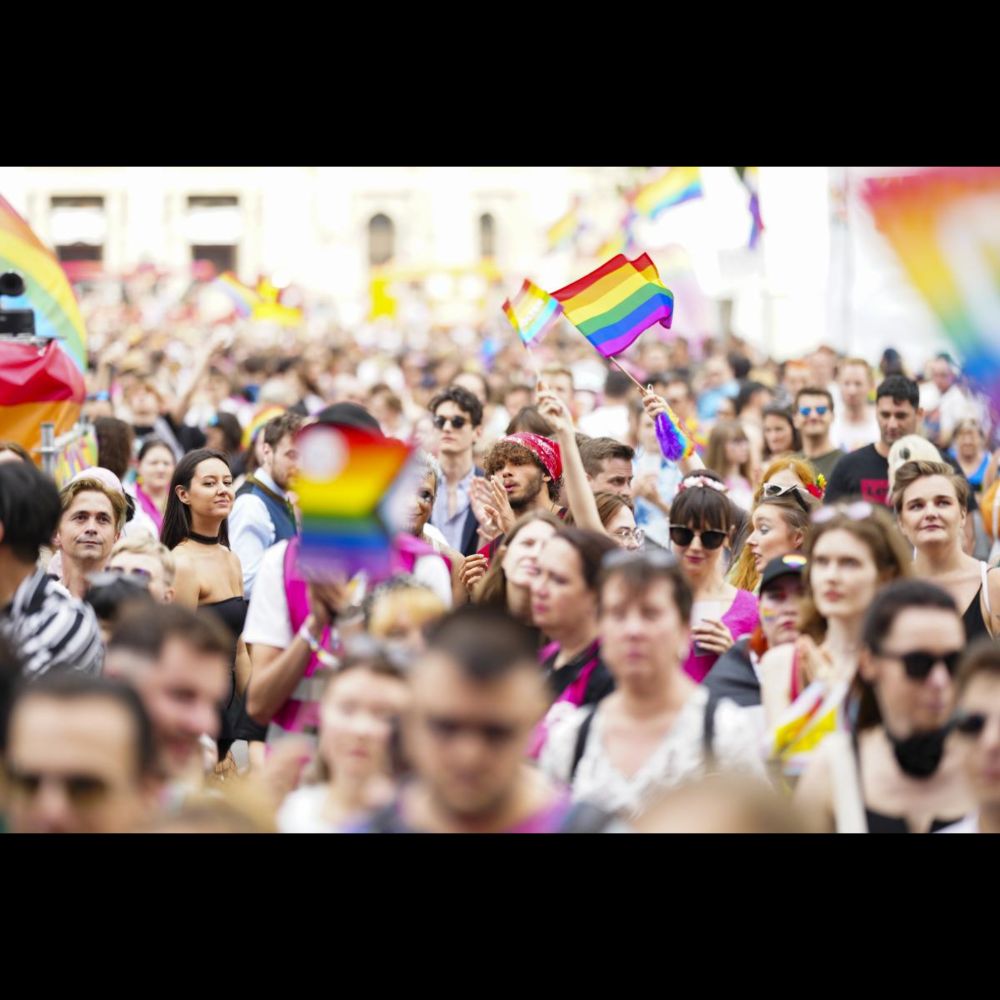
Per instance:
(209,576)
(931,502)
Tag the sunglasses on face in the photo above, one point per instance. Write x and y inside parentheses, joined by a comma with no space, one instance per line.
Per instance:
(772,490)
(971,723)
(457,422)
(820,410)
(81,789)
(683,537)
(495,734)
(918,664)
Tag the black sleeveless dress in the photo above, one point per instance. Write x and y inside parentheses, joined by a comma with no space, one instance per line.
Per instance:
(236,724)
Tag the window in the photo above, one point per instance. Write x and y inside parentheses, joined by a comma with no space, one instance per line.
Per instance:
(381,240)
(487,235)
(212,259)
(78,227)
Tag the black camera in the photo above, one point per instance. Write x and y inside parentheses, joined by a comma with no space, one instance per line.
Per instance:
(15,322)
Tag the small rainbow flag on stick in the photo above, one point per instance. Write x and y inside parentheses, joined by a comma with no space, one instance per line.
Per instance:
(344,475)
(46,287)
(533,312)
(677,185)
(566,229)
(613,304)
(244,299)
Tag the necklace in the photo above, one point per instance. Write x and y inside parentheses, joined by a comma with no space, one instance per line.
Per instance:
(203,539)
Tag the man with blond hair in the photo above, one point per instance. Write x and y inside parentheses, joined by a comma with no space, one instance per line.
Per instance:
(149,561)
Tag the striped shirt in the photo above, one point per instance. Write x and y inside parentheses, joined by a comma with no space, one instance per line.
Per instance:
(51,629)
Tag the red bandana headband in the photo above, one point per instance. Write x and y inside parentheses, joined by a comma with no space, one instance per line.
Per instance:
(546,451)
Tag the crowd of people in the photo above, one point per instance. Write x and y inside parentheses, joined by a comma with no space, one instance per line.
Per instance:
(789,629)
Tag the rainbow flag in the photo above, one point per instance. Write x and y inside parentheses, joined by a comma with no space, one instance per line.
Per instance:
(257,422)
(37,387)
(613,304)
(79,454)
(677,185)
(621,241)
(344,475)
(943,225)
(46,288)
(244,299)
(749,177)
(566,229)
(532,313)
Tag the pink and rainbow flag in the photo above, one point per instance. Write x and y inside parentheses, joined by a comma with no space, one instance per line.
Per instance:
(46,287)
(943,225)
(244,299)
(613,304)
(532,312)
(344,475)
(677,185)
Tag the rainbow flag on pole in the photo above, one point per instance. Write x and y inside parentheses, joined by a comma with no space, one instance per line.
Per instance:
(613,304)
(533,312)
(566,229)
(344,475)
(244,299)
(677,185)
(46,288)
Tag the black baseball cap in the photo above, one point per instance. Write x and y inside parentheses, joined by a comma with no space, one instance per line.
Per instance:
(792,564)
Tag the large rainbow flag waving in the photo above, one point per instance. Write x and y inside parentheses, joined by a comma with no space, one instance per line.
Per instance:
(47,289)
(613,304)
(677,185)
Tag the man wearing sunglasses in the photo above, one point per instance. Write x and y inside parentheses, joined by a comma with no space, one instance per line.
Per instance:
(458,418)
(977,730)
(79,757)
(477,697)
(814,418)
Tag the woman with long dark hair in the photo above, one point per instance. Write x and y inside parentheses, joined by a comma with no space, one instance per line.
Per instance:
(209,575)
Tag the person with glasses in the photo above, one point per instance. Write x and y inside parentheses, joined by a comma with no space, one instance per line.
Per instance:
(79,757)
(430,562)
(977,731)
(617,516)
(477,698)
(814,418)
(909,770)
(564,608)
(931,503)
(702,523)
(360,713)
(149,561)
(458,416)
(852,551)
(658,728)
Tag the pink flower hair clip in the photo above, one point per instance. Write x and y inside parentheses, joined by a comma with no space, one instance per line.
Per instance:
(692,481)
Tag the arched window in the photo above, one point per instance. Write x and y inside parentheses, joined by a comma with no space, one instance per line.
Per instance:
(487,235)
(381,239)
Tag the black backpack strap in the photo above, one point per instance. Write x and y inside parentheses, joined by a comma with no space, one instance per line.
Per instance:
(585,817)
(708,730)
(581,741)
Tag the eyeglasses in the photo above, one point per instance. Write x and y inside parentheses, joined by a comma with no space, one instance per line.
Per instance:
(136,571)
(773,490)
(81,789)
(820,410)
(457,422)
(971,723)
(683,537)
(657,558)
(425,498)
(496,734)
(627,534)
(918,664)
(857,511)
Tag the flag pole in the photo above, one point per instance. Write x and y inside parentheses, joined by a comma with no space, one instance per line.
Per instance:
(628,375)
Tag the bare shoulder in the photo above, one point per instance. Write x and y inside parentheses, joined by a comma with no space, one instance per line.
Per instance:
(777,663)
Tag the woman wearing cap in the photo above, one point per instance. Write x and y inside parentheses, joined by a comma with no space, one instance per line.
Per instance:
(853,551)
(930,500)
(905,772)
(702,523)
(735,674)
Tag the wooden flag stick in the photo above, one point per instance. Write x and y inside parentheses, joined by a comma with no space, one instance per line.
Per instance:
(628,375)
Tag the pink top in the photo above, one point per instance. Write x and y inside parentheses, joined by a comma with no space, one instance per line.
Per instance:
(146,503)
(741,619)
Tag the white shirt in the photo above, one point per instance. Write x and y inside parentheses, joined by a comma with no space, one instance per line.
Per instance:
(968,825)
(849,437)
(302,811)
(268,621)
(251,530)
(606,421)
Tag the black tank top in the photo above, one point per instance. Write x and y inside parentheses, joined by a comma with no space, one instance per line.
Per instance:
(975,626)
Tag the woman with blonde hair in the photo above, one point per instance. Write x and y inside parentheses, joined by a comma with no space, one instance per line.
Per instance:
(399,611)
(728,454)
(778,526)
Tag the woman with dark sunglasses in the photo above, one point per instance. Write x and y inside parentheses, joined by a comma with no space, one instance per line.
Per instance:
(906,772)
(977,731)
(931,502)
(702,521)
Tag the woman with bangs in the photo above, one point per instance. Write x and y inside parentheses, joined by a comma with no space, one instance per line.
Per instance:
(852,552)
(702,524)
(931,502)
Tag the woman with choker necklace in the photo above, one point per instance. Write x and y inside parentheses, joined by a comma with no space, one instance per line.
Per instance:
(909,768)
(209,575)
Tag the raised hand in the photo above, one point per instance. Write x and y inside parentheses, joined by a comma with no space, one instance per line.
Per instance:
(473,570)
(479,499)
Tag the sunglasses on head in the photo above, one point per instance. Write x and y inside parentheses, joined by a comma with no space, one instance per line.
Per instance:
(820,410)
(857,511)
(683,537)
(457,422)
(772,490)
(971,723)
(918,664)
(496,734)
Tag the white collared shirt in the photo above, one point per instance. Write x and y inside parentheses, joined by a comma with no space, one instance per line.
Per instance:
(251,530)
